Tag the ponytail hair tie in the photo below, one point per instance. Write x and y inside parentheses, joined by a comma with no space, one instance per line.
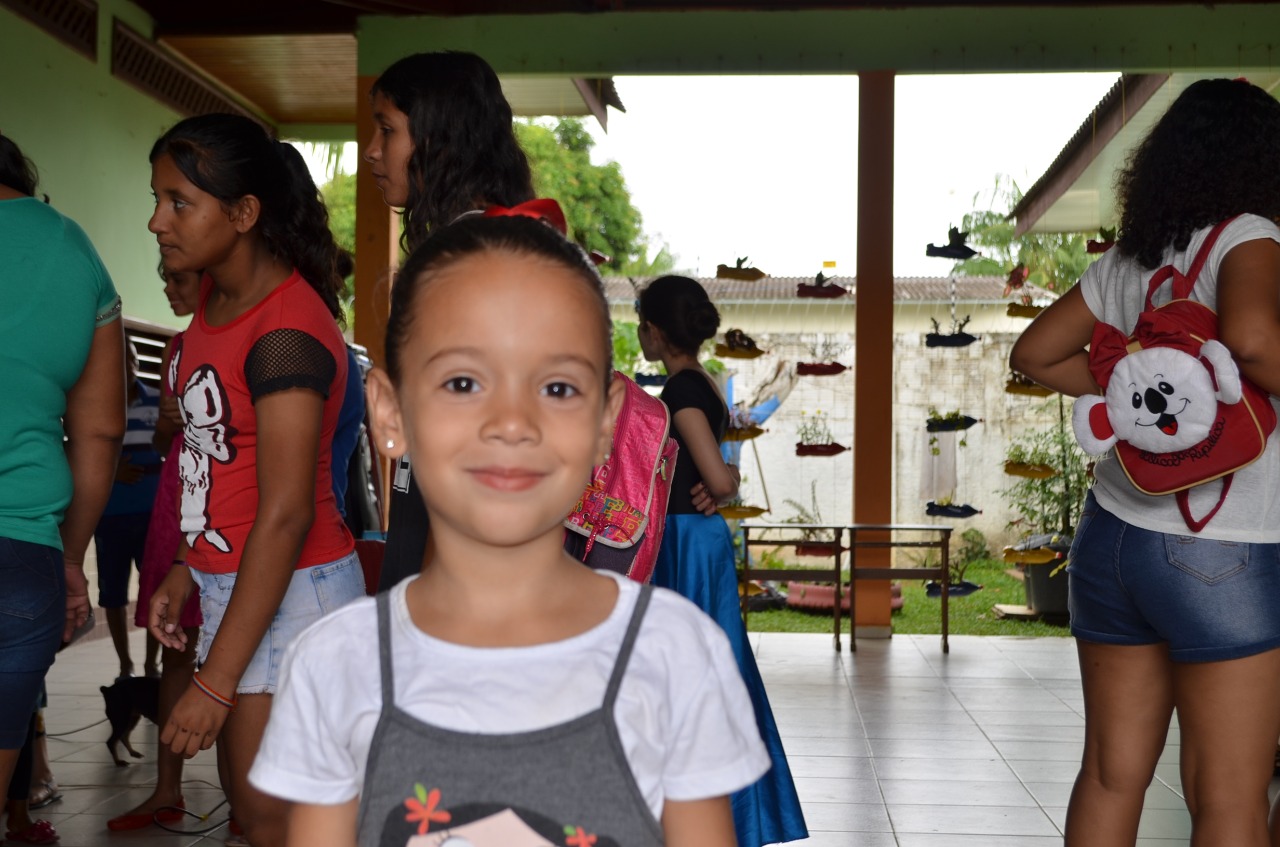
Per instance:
(543,209)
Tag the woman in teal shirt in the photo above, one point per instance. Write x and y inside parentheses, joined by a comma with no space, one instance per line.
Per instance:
(62,377)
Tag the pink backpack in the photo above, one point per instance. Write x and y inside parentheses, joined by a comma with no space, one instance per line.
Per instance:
(623,512)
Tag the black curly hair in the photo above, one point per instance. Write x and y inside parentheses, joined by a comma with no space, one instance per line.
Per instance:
(465,150)
(1214,154)
(16,170)
(230,157)
(680,307)
(474,235)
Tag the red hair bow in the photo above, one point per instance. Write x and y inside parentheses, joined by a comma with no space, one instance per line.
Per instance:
(543,209)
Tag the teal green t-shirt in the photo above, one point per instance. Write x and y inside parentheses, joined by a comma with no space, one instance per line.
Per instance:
(55,292)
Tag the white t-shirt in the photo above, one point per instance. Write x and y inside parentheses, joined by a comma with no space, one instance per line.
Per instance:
(683,713)
(1115,288)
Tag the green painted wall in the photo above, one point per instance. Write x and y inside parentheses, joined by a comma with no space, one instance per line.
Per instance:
(89,135)
(1026,37)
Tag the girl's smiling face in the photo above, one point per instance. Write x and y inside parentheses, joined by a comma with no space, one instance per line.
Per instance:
(389,150)
(502,395)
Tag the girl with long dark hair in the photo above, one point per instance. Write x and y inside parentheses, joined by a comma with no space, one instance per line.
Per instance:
(260,376)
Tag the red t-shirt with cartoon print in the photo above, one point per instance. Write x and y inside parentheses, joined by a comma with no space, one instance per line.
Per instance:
(287,341)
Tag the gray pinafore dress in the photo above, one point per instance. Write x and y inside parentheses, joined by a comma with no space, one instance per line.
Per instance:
(568,784)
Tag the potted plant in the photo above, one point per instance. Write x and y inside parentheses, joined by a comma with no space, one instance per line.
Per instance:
(815,436)
(815,542)
(1047,508)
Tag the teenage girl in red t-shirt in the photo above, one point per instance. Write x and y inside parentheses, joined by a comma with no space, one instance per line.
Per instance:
(261,375)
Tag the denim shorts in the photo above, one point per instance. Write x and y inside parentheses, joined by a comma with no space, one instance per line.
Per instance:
(33,611)
(1209,600)
(313,593)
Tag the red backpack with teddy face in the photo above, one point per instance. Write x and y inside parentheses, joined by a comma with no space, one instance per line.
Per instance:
(1176,408)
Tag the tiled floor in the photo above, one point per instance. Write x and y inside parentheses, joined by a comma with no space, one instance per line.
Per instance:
(894,745)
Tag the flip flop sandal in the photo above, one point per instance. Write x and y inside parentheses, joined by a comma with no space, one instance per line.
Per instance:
(165,814)
(44,795)
(39,832)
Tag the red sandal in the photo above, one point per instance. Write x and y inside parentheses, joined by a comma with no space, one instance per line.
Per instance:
(165,814)
(38,832)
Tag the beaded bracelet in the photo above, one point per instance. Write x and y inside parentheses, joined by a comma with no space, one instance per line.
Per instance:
(229,703)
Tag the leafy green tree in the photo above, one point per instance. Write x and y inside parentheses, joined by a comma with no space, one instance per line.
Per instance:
(595,198)
(1054,260)
(339,195)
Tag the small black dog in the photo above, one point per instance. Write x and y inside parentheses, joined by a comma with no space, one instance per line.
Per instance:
(129,699)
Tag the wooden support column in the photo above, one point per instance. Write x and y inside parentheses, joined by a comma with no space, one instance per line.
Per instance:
(873,339)
(377,232)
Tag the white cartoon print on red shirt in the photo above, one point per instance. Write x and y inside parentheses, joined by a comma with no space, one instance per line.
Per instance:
(207,414)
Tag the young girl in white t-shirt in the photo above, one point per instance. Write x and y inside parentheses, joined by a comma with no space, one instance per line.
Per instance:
(506,695)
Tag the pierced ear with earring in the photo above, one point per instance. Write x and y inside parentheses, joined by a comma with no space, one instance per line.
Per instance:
(391,444)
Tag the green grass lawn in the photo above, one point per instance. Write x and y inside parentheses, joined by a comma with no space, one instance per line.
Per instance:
(971,615)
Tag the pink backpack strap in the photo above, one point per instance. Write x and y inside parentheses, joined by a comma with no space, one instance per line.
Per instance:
(1183,284)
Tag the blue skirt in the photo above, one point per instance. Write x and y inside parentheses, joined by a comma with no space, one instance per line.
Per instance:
(697,561)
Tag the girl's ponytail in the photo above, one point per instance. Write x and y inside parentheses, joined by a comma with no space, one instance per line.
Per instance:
(301,232)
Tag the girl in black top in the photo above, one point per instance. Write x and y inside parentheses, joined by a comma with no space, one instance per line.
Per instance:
(697,557)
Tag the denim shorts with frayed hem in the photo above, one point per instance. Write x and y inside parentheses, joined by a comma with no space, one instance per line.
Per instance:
(33,610)
(1209,600)
(313,593)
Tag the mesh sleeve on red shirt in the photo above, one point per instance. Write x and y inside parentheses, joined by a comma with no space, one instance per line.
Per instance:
(288,358)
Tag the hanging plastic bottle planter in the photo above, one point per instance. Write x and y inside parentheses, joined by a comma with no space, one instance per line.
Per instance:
(948,421)
(1020,384)
(957,337)
(819,368)
(1023,310)
(822,286)
(955,248)
(740,270)
(950,510)
(738,345)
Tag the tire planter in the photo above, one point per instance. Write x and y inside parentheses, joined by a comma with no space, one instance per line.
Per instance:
(819,368)
(831,449)
(815,597)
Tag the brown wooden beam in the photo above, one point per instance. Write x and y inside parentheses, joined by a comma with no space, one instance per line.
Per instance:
(873,336)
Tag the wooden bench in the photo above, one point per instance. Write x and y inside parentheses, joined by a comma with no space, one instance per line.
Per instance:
(850,538)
